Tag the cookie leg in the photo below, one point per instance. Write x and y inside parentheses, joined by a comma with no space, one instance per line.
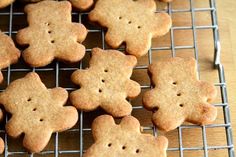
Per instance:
(168,122)
(118,107)
(203,114)
(113,38)
(36,142)
(85,100)
(38,57)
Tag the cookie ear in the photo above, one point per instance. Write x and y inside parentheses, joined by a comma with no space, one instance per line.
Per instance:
(33,76)
(96,51)
(148,3)
(130,123)
(101,126)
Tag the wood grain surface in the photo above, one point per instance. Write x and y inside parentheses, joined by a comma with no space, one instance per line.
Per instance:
(190,137)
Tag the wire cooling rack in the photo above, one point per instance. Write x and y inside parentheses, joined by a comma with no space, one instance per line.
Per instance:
(75,141)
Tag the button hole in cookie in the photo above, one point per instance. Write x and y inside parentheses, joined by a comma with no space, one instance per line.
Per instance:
(120,17)
(29,99)
(100,90)
(49,32)
(34,109)
(105,70)
(103,81)
(174,83)
(129,22)
(41,120)
(181,105)
(53,41)
(155,109)
(137,150)
(109,145)
(179,94)
(139,27)
(124,147)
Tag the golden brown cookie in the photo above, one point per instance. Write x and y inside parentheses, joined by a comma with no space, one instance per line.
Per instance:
(1,146)
(178,95)
(5,3)
(82,4)
(106,83)
(9,54)
(124,139)
(132,21)
(51,34)
(36,111)
(79,4)
(1,140)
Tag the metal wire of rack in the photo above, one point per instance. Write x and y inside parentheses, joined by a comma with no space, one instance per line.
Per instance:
(82,130)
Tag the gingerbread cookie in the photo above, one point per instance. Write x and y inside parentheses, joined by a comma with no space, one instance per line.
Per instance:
(80,4)
(178,95)
(51,34)
(132,22)
(36,111)
(124,139)
(106,83)
(9,54)
(5,3)
(1,140)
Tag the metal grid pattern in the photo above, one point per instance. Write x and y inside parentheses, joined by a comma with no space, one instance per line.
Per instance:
(81,129)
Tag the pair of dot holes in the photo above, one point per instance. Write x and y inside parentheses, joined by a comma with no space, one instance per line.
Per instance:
(124,147)
(129,22)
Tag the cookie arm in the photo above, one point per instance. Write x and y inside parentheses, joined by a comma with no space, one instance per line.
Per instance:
(80,31)
(60,95)
(133,89)
(23,36)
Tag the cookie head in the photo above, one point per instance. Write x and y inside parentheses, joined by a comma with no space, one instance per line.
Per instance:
(178,95)
(36,111)
(106,83)
(132,22)
(124,139)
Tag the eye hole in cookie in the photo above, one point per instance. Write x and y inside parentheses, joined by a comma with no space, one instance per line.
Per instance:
(137,151)
(155,109)
(124,147)
(41,120)
(181,105)
(34,109)
(52,41)
(109,144)
(29,99)
(106,70)
(139,27)
(120,17)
